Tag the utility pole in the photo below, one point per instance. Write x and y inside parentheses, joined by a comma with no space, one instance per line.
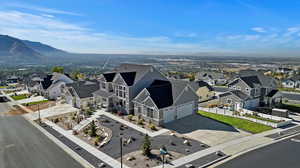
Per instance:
(121,148)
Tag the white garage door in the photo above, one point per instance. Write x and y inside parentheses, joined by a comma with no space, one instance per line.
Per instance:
(185,110)
(169,116)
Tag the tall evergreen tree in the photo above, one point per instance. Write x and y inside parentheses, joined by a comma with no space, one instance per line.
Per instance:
(146,147)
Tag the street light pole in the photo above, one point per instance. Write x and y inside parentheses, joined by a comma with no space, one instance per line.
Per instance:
(121,148)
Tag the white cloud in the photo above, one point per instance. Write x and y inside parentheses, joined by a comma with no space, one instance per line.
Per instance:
(259,29)
(186,35)
(47,15)
(76,38)
(40,9)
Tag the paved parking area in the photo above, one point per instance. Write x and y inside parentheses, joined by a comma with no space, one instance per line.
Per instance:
(206,130)
(172,143)
(80,151)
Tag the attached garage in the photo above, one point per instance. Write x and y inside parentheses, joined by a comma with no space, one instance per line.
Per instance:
(169,115)
(185,110)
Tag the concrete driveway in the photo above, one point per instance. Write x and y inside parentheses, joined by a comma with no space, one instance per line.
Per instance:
(205,130)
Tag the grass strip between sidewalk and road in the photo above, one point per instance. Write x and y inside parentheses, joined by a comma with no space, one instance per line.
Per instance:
(242,124)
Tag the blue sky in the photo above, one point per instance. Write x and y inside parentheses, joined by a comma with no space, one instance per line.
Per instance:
(157,26)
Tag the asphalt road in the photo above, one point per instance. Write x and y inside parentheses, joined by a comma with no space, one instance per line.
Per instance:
(281,154)
(24,146)
(291,96)
(4,107)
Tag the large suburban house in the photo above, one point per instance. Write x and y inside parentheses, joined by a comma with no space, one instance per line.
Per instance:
(51,86)
(123,91)
(119,87)
(166,101)
(293,82)
(256,87)
(80,93)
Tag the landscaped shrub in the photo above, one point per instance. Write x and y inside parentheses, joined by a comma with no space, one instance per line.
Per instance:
(130,117)
(212,106)
(140,122)
(56,120)
(152,127)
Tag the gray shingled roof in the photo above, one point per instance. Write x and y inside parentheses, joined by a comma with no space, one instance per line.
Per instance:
(251,81)
(239,94)
(199,84)
(103,93)
(85,89)
(140,70)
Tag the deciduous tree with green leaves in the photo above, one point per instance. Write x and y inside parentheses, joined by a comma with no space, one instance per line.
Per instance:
(58,69)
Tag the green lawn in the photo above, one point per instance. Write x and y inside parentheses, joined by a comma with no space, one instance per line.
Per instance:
(291,107)
(242,124)
(289,90)
(19,97)
(35,103)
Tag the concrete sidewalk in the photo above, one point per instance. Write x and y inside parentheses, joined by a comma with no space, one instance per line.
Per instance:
(229,148)
(58,109)
(100,155)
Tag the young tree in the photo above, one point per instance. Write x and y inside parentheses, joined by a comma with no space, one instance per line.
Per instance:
(146,147)
(93,129)
(58,69)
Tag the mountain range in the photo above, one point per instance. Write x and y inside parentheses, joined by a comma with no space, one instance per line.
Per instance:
(16,50)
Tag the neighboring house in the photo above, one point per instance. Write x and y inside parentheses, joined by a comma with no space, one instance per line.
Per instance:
(212,78)
(165,101)
(34,84)
(293,82)
(273,98)
(120,87)
(284,70)
(203,90)
(80,93)
(238,100)
(256,85)
(249,85)
(12,80)
(220,89)
(52,85)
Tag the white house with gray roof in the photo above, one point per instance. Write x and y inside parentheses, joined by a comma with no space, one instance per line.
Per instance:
(143,90)
(119,87)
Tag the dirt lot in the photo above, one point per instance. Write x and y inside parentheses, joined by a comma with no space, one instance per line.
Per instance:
(16,111)
(42,106)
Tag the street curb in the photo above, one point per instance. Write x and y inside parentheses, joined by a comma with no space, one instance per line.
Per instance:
(287,135)
(74,155)
(251,149)
(215,161)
